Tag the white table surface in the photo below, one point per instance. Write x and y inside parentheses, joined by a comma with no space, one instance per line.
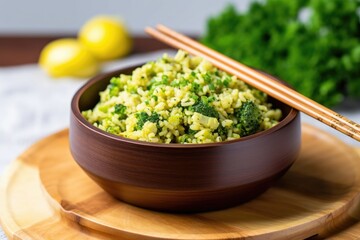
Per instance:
(33,106)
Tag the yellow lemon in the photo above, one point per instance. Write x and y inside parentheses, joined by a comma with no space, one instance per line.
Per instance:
(106,37)
(68,58)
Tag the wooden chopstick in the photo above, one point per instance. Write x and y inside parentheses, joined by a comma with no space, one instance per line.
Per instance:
(257,76)
(259,81)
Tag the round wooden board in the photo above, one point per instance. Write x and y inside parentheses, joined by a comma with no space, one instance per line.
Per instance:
(24,209)
(319,195)
(319,187)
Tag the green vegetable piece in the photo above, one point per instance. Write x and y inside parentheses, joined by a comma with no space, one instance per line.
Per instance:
(211,99)
(222,131)
(113,129)
(227,81)
(207,78)
(165,80)
(249,118)
(205,109)
(143,117)
(194,96)
(195,87)
(115,81)
(114,86)
(154,97)
(157,81)
(183,82)
(120,110)
(204,99)
(113,90)
(103,108)
(191,132)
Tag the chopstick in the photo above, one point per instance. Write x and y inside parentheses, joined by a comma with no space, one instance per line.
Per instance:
(259,81)
(257,76)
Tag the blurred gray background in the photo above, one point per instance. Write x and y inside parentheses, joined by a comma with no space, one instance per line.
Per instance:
(67,16)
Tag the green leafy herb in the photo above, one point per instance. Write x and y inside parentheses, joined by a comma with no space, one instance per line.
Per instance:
(312,44)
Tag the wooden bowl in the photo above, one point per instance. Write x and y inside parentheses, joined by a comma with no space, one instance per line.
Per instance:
(181,177)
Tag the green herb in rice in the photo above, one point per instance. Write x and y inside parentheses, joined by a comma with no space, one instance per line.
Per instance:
(181,100)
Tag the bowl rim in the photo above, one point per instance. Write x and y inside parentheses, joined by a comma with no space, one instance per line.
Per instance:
(75,110)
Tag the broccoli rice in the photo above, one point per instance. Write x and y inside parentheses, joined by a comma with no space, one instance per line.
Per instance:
(181,99)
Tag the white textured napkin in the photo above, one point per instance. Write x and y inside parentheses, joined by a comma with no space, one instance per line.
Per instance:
(34,106)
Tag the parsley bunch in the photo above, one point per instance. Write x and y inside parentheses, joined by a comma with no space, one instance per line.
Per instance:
(312,44)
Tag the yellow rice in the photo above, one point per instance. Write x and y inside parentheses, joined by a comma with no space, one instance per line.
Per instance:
(159,102)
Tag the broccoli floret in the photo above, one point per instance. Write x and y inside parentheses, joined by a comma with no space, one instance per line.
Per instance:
(113,90)
(121,111)
(249,118)
(207,77)
(143,117)
(195,87)
(222,131)
(191,132)
(114,86)
(205,109)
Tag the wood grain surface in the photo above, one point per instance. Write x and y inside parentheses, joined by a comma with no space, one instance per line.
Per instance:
(319,195)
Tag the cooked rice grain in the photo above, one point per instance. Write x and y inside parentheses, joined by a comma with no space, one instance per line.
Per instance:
(181,100)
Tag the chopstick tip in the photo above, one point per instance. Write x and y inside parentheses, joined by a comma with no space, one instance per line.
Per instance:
(148,29)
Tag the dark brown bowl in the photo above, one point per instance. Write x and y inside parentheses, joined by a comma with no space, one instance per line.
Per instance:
(181,177)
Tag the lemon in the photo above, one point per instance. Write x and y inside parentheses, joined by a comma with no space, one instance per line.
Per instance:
(68,58)
(106,37)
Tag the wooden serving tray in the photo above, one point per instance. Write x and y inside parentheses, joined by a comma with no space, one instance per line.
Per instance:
(45,195)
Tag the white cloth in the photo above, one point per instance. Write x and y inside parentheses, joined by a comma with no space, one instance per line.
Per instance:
(33,105)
